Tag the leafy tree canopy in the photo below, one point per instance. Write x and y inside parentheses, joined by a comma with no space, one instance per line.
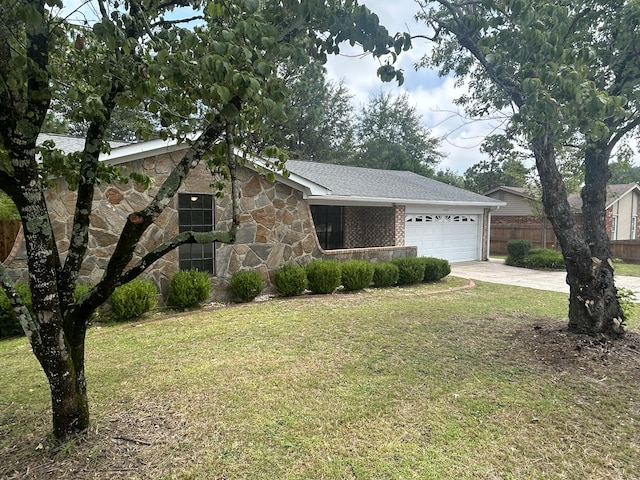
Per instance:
(566,74)
(390,135)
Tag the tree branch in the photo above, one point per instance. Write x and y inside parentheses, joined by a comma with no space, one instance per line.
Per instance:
(138,222)
(180,239)
(27,322)
(81,219)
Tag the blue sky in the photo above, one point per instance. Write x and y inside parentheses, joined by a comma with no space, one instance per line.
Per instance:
(431,95)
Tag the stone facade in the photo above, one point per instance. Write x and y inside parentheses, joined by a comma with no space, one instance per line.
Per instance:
(276,227)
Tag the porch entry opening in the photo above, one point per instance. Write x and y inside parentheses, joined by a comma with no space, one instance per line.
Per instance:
(329,222)
(195,214)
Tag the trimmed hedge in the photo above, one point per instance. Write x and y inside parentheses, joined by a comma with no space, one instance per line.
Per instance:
(323,276)
(411,270)
(356,275)
(435,269)
(539,258)
(518,248)
(133,299)
(246,285)
(189,288)
(290,280)
(385,274)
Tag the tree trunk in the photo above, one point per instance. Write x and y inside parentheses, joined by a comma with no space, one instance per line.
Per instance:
(69,403)
(593,303)
(596,308)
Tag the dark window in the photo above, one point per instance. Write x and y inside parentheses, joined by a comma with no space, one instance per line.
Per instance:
(329,226)
(195,213)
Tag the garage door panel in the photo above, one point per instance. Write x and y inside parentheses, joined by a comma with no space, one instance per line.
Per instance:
(452,237)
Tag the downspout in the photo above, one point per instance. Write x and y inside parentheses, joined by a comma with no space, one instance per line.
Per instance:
(486,232)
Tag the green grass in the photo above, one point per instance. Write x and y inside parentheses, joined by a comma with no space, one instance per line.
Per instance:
(627,269)
(621,268)
(419,382)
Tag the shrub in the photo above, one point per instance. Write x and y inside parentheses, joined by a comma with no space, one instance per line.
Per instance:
(323,276)
(627,299)
(356,275)
(290,280)
(411,270)
(385,274)
(133,299)
(435,269)
(9,324)
(540,258)
(518,248)
(246,285)
(544,258)
(189,288)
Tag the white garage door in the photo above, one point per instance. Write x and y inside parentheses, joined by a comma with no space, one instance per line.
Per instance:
(453,237)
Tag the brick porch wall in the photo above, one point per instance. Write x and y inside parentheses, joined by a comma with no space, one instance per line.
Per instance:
(366,227)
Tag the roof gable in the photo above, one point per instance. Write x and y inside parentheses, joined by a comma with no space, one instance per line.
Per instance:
(614,193)
(519,191)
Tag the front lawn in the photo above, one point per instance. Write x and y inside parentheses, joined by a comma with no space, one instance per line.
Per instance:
(628,269)
(422,382)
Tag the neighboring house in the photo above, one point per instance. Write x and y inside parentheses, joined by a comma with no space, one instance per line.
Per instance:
(317,211)
(522,207)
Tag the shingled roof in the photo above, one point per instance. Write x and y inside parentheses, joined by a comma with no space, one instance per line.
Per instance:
(70,144)
(387,185)
(614,193)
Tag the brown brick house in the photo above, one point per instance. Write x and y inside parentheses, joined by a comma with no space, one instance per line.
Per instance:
(318,211)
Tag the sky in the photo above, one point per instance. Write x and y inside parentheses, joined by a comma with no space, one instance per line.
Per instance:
(431,95)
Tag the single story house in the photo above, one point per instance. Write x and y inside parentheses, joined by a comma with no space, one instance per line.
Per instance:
(317,211)
(522,207)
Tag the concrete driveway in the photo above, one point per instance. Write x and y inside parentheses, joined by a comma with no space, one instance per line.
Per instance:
(495,271)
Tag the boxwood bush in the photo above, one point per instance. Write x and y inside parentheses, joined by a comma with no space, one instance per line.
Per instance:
(518,248)
(189,288)
(246,285)
(539,258)
(290,280)
(385,274)
(544,259)
(356,275)
(323,276)
(435,269)
(9,325)
(411,270)
(132,299)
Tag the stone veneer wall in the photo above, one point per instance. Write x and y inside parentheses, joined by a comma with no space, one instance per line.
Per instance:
(276,227)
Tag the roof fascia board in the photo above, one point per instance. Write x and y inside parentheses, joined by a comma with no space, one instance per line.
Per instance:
(622,195)
(364,201)
(138,151)
(293,180)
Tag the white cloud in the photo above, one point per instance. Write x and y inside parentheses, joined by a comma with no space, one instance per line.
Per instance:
(432,96)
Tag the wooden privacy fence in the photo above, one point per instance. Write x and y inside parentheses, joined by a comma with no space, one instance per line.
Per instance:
(8,232)
(542,236)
